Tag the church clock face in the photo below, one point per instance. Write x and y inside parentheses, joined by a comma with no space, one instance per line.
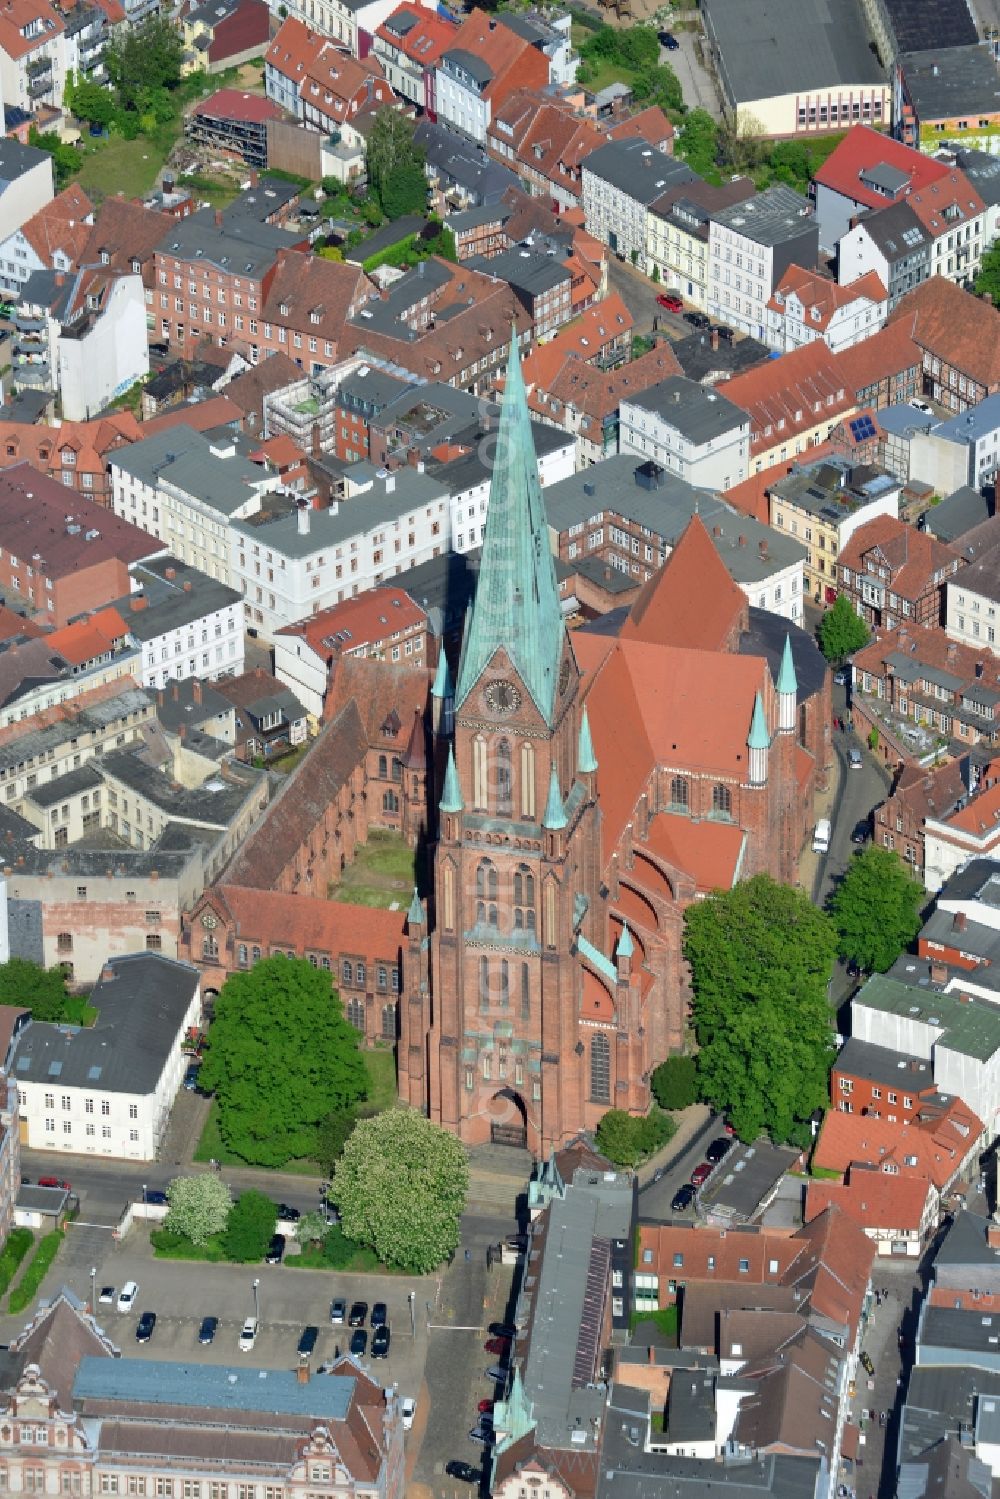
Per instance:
(502,697)
(564,676)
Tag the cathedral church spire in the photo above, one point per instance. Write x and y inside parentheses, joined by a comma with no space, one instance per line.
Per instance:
(517,601)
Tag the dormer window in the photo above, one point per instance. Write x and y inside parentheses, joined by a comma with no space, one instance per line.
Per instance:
(105,258)
(136,267)
(314,317)
(283,309)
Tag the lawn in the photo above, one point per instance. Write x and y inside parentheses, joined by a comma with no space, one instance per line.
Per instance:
(116,165)
(383,873)
(382,1094)
(665,1319)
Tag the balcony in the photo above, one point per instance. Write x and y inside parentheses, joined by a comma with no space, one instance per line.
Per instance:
(40,86)
(39,66)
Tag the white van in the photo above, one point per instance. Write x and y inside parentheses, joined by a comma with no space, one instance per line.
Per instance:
(821,837)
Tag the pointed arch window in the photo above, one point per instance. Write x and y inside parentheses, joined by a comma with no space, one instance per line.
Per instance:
(550,914)
(383,768)
(449,897)
(679,793)
(355,1012)
(600,1070)
(484,984)
(479,773)
(390,802)
(722,801)
(527,781)
(389,1023)
(524,899)
(505,778)
(525,992)
(504,984)
(487,894)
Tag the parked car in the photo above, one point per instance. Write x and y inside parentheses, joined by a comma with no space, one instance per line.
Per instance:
(409,1410)
(144,1327)
(275,1250)
(380,1342)
(338,1311)
(718,1149)
(359,1341)
(380,1314)
(866,1364)
(840,679)
(307,1341)
(499,1346)
(127,1295)
(248,1334)
(502,1330)
(919,405)
(854,759)
(726,333)
(668,40)
(54,1181)
(156,1199)
(206,1332)
(730,1129)
(107,1296)
(670,301)
(290,1215)
(464,1472)
(682,1198)
(481,1435)
(191,1077)
(853,968)
(861,832)
(359,1314)
(701,1173)
(697,320)
(497,1373)
(485,1407)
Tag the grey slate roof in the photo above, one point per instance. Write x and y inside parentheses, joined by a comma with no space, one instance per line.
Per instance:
(879,1064)
(777,214)
(939,1402)
(383,239)
(240,246)
(364,511)
(177,704)
(50,793)
(213,804)
(945,83)
(476,67)
(983,171)
(171,604)
(475,466)
(530,271)
(957,513)
(695,412)
(935,23)
(211,1387)
(139,1013)
(37,741)
(966,1242)
(16,160)
(456,159)
(765,48)
(636,169)
(896,230)
(184,458)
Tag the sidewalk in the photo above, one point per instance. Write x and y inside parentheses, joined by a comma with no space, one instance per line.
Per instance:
(825,805)
(690,1122)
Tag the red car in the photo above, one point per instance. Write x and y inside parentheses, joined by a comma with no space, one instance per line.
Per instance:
(700,1174)
(485,1407)
(670,302)
(54,1181)
(498,1346)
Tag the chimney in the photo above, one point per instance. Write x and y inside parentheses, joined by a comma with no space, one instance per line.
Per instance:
(254,178)
(107,974)
(137,603)
(993,1236)
(187,585)
(218,218)
(303,517)
(160,697)
(677,397)
(302,1372)
(258,671)
(958,924)
(762,547)
(939,973)
(175,691)
(742,541)
(60,278)
(715,338)
(196,691)
(650,1354)
(170,574)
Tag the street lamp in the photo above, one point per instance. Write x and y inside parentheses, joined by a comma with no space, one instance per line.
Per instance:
(144,1195)
(412,1299)
(256,1299)
(93,1290)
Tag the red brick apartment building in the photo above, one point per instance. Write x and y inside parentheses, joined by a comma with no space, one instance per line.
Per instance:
(61,552)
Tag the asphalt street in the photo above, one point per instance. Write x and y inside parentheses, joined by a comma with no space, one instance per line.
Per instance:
(697,84)
(655,1197)
(860,791)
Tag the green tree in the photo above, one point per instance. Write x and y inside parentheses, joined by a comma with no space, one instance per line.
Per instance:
(31,987)
(627,1138)
(279,1058)
(141,59)
(761,956)
(675,1083)
(876,909)
(400,1186)
(698,143)
(250,1227)
(395,165)
(841,631)
(988,279)
(90,101)
(66,160)
(199,1207)
(312,1227)
(332,1134)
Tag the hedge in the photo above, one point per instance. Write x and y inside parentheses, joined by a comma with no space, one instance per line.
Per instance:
(19,1241)
(27,1287)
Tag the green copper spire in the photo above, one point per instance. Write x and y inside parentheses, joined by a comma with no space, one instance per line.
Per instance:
(555,812)
(625,945)
(442,679)
(451,796)
(586,760)
(787,680)
(759,738)
(517,601)
(415,915)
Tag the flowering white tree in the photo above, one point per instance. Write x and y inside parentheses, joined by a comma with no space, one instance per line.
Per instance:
(199,1207)
(400,1186)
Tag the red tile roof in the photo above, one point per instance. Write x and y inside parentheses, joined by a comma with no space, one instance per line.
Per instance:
(232,104)
(820,296)
(939,1140)
(863,148)
(425,41)
(33,510)
(947,203)
(594,392)
(311,923)
(90,442)
(217,411)
(649,125)
(791,395)
(888,353)
(514,62)
(371,617)
(586,335)
(872,1198)
(691,601)
(61,225)
(913,557)
(710,852)
(954,326)
(86,639)
(18,17)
